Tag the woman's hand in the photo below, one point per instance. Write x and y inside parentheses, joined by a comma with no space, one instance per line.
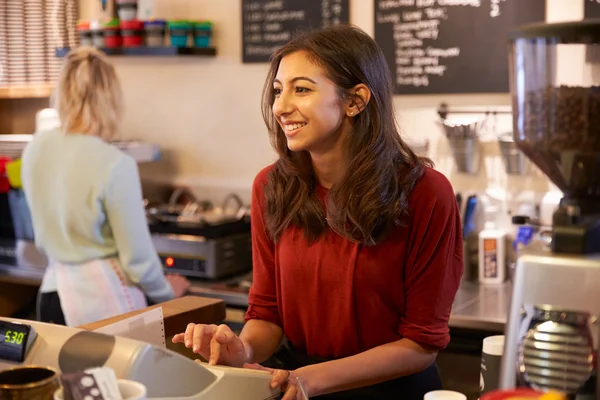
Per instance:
(179,283)
(291,382)
(216,344)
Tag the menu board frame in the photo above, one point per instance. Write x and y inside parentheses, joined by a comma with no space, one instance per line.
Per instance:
(591,9)
(269,24)
(450,46)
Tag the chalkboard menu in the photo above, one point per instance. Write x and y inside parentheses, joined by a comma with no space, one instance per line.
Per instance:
(591,9)
(269,24)
(450,46)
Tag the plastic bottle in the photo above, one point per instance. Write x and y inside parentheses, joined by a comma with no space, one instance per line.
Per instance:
(492,254)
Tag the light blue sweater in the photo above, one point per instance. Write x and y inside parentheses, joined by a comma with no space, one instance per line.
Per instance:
(86,203)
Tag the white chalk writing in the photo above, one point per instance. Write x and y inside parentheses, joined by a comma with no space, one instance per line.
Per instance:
(269,24)
(415,24)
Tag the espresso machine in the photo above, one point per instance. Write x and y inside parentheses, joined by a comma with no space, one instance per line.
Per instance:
(553,329)
(166,374)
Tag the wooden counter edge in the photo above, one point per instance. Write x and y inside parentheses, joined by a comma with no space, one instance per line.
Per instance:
(177,314)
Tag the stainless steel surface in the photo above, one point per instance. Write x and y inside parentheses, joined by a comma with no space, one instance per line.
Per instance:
(233,291)
(21,275)
(481,307)
(515,162)
(12,146)
(462,128)
(230,297)
(201,213)
(567,284)
(205,258)
(466,153)
(475,306)
(555,355)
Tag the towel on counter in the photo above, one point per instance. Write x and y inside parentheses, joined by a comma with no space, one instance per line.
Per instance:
(95,290)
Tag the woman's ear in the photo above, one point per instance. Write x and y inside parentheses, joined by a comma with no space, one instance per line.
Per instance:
(359,98)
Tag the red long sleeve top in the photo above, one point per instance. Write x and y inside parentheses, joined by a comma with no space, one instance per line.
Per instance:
(336,298)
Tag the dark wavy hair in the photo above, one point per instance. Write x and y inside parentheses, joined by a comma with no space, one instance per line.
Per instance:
(372,196)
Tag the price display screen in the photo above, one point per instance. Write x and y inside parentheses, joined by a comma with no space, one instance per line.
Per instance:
(13,341)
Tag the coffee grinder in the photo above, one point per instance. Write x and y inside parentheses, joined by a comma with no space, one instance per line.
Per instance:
(552,331)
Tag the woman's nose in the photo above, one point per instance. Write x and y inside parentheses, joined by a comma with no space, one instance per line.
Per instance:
(282,105)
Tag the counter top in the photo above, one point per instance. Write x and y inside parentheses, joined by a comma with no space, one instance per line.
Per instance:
(31,276)
(482,307)
(475,307)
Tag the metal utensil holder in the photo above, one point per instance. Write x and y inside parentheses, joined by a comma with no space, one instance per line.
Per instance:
(515,162)
(466,153)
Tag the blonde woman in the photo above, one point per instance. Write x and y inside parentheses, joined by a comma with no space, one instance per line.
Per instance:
(86,205)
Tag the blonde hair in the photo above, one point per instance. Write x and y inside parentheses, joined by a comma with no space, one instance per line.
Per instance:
(88,96)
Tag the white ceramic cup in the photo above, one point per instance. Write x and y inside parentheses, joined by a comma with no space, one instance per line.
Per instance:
(444,395)
(494,345)
(130,390)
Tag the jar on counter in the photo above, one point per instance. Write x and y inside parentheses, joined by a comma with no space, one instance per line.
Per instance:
(202,34)
(85,34)
(179,32)
(97,31)
(133,33)
(127,9)
(112,34)
(155,31)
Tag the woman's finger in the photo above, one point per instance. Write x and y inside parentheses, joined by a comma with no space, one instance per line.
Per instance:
(197,337)
(226,336)
(291,393)
(280,378)
(222,336)
(223,333)
(179,338)
(202,336)
(189,334)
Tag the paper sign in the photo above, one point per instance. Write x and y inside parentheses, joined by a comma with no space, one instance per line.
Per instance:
(148,327)
(145,10)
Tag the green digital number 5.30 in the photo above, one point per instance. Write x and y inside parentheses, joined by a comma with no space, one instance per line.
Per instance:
(14,337)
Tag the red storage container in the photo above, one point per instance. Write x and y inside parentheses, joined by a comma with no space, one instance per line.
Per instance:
(132,33)
(4,183)
(112,37)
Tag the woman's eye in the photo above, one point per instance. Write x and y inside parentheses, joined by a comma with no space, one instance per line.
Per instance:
(300,89)
(276,91)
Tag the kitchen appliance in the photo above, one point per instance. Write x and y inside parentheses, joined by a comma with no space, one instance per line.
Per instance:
(8,240)
(552,330)
(197,240)
(166,374)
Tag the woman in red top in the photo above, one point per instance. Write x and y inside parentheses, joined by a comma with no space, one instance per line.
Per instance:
(357,252)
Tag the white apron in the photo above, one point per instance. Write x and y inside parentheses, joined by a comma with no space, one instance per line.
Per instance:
(95,290)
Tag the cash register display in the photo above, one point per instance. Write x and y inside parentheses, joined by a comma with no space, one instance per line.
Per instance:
(14,341)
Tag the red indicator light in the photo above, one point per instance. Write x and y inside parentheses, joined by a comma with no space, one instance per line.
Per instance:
(169,261)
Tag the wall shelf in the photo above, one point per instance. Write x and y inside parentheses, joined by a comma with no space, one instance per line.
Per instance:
(151,51)
(12,146)
(26,91)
